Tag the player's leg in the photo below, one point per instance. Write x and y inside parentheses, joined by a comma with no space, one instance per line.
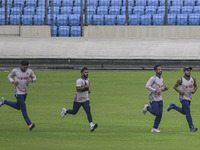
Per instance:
(159,115)
(179,109)
(75,109)
(21,101)
(86,106)
(9,103)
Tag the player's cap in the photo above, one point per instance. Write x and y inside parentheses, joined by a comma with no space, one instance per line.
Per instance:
(186,68)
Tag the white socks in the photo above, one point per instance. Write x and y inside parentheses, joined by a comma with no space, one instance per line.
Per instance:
(91,124)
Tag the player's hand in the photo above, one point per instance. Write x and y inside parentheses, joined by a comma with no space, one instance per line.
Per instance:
(89,91)
(15,82)
(166,88)
(193,91)
(158,92)
(87,85)
(30,80)
(182,92)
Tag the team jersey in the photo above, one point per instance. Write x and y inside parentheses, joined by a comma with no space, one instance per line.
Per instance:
(81,96)
(187,86)
(155,83)
(22,79)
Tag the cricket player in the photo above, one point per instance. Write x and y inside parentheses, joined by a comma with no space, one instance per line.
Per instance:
(81,98)
(23,76)
(155,86)
(188,86)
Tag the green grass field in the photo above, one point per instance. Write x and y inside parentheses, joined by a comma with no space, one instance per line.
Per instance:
(117,100)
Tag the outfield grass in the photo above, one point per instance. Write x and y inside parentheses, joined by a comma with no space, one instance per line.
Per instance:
(117,100)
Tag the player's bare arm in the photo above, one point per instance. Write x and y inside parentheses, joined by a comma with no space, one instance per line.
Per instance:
(176,87)
(195,86)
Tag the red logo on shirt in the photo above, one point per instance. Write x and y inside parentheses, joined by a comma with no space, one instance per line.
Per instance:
(24,78)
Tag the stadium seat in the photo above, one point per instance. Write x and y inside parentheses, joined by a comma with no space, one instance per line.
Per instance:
(56,10)
(78,3)
(102,10)
(27,20)
(175,10)
(130,3)
(197,2)
(2,19)
(140,3)
(98,19)
(121,20)
(16,11)
(9,3)
(89,19)
(54,31)
(161,11)
(177,3)
(56,3)
(146,20)
(74,20)
(75,31)
(158,19)
(67,3)
(110,19)
(92,3)
(39,20)
(63,31)
(40,11)
(162,3)
(67,10)
(91,10)
(196,10)
(77,10)
(104,3)
(134,19)
(15,19)
(171,19)
(29,10)
(41,4)
(51,19)
(123,10)
(31,3)
(19,3)
(114,10)
(194,19)
(189,3)
(138,10)
(152,3)
(117,3)
(150,10)
(187,10)
(182,19)
(62,20)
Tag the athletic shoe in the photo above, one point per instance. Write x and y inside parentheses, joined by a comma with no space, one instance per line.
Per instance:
(145,108)
(92,128)
(193,129)
(31,126)
(155,130)
(2,101)
(63,113)
(170,106)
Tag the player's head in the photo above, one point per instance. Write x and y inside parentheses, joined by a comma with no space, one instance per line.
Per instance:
(158,69)
(24,65)
(84,72)
(187,71)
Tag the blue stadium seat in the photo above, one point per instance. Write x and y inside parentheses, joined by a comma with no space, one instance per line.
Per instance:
(114,10)
(104,3)
(175,10)
(158,19)
(146,20)
(194,19)
(67,10)
(130,3)
(117,3)
(41,4)
(161,11)
(93,3)
(75,31)
(171,19)
(76,10)
(67,3)
(196,10)
(150,10)
(89,19)
(29,10)
(138,10)
(134,19)
(152,3)
(51,19)
(98,19)
(102,10)
(177,3)
(64,31)
(123,10)
(40,11)
(9,3)
(187,10)
(140,3)
(16,11)
(54,31)
(74,20)
(62,20)
(39,20)
(91,10)
(162,3)
(19,3)
(189,3)
(31,3)
(78,3)
(15,19)
(121,20)
(27,20)
(182,19)
(198,2)
(2,19)
(110,19)
(56,10)
(56,3)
